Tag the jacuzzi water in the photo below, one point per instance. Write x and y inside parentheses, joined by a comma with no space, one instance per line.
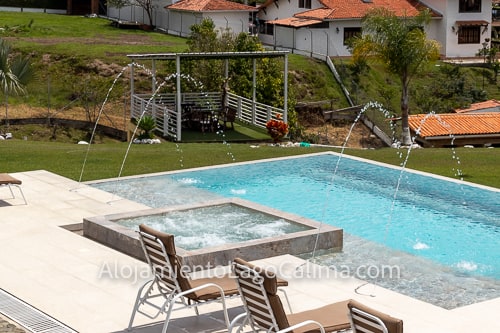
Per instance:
(220,224)
(438,225)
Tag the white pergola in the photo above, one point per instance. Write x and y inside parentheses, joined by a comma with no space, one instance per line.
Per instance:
(178,57)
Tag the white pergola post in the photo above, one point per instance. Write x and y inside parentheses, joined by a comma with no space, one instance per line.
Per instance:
(132,65)
(153,75)
(254,87)
(285,91)
(178,101)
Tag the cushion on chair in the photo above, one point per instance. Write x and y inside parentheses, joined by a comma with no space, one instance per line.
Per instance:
(270,280)
(175,261)
(333,317)
(393,325)
(279,311)
(226,282)
(166,239)
(271,288)
(6,179)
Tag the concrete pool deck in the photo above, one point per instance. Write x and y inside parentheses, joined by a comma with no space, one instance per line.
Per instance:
(91,287)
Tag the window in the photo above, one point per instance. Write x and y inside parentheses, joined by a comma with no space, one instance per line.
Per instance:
(350,33)
(265,28)
(468,6)
(469,34)
(305,4)
(322,25)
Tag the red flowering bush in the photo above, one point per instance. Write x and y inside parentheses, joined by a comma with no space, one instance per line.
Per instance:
(277,128)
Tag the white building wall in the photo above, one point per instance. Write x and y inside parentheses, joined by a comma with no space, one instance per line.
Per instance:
(236,21)
(442,30)
(180,22)
(337,47)
(138,14)
(325,41)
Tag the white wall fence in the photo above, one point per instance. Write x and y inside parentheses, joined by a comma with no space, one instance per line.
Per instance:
(33,10)
(163,109)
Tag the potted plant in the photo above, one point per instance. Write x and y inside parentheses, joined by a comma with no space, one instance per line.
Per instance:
(277,128)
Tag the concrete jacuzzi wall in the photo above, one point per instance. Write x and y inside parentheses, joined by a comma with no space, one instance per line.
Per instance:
(104,229)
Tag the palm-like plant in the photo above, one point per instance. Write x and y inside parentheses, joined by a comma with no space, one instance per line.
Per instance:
(401,43)
(15,73)
(147,124)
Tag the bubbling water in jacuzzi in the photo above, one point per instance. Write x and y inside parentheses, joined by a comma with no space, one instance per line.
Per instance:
(215,225)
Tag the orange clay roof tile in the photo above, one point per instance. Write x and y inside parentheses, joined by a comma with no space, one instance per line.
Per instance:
(319,14)
(210,5)
(295,22)
(456,124)
(487,106)
(348,9)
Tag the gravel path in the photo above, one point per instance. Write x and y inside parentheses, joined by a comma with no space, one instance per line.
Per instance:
(7,326)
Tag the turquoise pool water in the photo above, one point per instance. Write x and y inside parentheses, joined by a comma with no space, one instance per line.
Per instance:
(450,223)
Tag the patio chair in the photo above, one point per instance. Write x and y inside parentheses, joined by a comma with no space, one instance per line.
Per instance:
(8,180)
(228,115)
(366,320)
(171,286)
(264,310)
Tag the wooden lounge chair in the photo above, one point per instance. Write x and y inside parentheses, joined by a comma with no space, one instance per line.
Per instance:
(264,310)
(8,180)
(171,286)
(367,320)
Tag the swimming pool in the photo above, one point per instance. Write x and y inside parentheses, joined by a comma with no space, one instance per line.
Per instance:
(453,224)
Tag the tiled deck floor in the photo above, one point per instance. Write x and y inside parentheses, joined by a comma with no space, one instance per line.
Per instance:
(91,287)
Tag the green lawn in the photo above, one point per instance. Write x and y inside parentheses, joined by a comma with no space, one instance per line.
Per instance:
(76,36)
(240,133)
(478,165)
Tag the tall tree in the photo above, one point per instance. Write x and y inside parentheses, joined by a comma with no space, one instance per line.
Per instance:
(204,37)
(269,75)
(401,44)
(15,73)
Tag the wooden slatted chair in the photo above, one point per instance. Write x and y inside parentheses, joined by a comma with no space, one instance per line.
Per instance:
(264,310)
(9,181)
(228,115)
(366,320)
(171,286)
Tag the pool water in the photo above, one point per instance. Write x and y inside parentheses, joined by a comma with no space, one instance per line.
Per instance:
(451,224)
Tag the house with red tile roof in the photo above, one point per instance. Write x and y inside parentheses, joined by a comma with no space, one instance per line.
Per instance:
(176,17)
(452,129)
(323,27)
(225,15)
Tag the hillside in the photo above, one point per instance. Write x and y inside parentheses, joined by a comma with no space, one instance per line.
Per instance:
(78,60)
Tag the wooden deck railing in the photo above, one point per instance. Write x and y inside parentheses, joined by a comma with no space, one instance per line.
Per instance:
(162,108)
